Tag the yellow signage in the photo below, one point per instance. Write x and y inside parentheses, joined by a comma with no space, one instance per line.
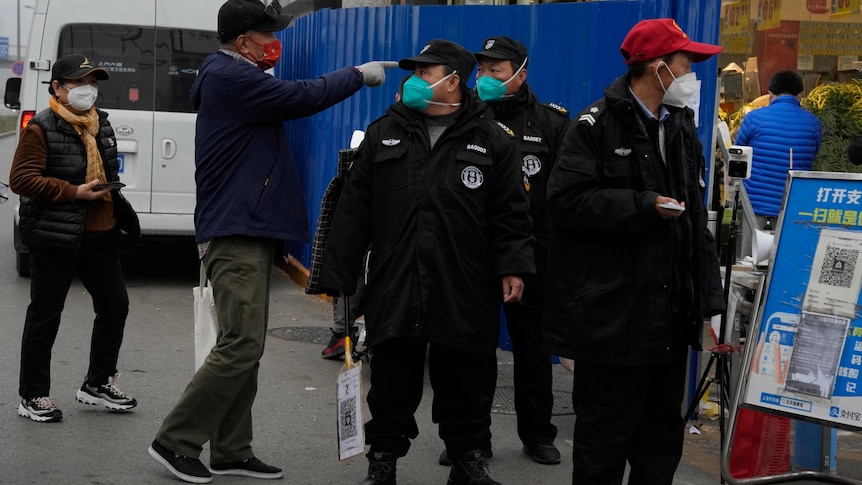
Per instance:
(841,8)
(768,14)
(736,15)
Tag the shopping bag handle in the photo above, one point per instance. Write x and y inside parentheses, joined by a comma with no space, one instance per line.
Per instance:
(203,278)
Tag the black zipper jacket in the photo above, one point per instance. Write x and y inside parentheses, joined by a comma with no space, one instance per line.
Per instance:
(444,225)
(623,282)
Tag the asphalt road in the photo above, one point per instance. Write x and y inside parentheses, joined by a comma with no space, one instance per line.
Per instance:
(294,412)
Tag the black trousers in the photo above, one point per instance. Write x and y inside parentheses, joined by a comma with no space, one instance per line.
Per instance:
(460,406)
(98,267)
(534,400)
(628,413)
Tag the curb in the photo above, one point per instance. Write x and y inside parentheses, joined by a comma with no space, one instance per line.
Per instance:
(8,133)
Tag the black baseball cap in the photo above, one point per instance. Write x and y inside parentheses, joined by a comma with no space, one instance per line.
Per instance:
(73,67)
(237,17)
(443,52)
(503,48)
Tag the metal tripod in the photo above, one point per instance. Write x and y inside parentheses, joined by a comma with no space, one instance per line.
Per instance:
(720,354)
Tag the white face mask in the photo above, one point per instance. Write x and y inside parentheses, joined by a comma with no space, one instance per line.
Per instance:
(680,90)
(83,97)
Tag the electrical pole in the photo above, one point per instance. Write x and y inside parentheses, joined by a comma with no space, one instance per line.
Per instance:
(18,30)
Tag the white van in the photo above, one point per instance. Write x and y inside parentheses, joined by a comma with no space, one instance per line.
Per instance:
(152,48)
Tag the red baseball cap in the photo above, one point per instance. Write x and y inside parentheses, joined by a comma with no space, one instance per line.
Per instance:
(654,38)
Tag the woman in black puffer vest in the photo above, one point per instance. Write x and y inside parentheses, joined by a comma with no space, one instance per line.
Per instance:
(70,220)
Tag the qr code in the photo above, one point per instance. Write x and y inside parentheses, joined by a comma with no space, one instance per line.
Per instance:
(838,266)
(347,416)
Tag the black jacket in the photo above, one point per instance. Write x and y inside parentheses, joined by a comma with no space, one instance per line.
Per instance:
(623,282)
(444,226)
(59,226)
(538,129)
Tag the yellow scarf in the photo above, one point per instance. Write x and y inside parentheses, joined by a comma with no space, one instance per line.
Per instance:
(87,127)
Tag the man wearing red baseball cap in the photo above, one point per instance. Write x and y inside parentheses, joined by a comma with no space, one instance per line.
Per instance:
(632,268)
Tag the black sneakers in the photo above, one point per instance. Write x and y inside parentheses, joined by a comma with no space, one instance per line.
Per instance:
(381,468)
(471,468)
(335,348)
(543,453)
(40,409)
(251,467)
(185,468)
(108,395)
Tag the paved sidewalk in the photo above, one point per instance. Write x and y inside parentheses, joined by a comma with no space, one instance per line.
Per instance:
(294,411)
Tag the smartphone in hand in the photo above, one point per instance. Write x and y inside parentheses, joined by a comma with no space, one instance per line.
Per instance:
(108,185)
(671,206)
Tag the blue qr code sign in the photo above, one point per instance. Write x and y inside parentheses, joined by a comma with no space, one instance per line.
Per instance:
(121,159)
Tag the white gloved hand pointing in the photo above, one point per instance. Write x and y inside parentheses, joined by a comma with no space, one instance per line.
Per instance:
(374,72)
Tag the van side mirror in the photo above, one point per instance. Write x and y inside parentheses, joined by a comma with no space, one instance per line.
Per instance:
(11,98)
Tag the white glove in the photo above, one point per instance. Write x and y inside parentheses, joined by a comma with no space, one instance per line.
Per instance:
(374,72)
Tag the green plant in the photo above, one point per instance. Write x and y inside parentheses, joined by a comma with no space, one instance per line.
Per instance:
(839,107)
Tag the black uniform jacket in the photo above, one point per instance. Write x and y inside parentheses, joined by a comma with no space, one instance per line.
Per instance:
(618,273)
(538,128)
(444,226)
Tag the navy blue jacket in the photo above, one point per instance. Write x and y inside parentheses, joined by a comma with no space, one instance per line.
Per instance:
(247,181)
(771,132)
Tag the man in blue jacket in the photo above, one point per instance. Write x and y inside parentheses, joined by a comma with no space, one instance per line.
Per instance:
(783,136)
(248,199)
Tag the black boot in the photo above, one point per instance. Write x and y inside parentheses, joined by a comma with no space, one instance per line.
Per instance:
(445,461)
(381,468)
(471,468)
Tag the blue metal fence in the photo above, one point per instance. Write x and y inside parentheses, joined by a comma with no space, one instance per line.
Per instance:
(573,48)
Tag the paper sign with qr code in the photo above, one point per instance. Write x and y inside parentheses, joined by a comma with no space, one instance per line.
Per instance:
(836,274)
(351,441)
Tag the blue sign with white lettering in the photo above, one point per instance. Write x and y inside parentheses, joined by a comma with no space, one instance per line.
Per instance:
(121,159)
(4,47)
(806,351)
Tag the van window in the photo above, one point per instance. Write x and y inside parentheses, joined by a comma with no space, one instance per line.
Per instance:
(151,69)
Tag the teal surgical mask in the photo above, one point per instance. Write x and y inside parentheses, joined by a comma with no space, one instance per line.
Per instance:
(417,93)
(492,89)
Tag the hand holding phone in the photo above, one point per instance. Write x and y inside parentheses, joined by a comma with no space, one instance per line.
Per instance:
(672,206)
(108,185)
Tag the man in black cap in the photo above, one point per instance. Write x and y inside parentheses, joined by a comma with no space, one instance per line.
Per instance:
(501,82)
(436,191)
(249,200)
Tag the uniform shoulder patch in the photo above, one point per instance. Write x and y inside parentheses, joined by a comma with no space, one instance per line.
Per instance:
(591,113)
(557,108)
(506,129)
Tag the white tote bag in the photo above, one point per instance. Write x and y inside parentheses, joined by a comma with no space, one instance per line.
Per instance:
(206,323)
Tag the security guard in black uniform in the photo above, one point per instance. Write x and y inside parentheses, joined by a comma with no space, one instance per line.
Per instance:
(435,189)
(501,82)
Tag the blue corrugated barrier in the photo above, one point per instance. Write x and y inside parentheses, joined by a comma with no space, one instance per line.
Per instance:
(573,47)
